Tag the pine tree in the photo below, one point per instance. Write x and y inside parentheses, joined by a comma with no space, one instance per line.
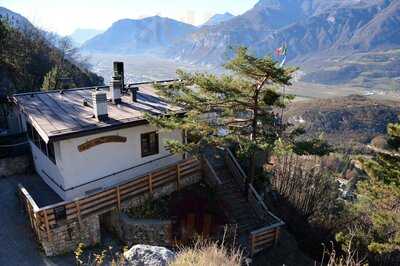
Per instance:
(233,108)
(386,164)
(374,217)
(51,79)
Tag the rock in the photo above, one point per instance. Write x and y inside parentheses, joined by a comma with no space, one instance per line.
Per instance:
(144,255)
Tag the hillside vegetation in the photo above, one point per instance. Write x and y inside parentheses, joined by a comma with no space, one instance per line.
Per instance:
(344,120)
(26,56)
(374,70)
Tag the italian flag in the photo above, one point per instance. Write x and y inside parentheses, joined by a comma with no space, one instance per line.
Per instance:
(281,51)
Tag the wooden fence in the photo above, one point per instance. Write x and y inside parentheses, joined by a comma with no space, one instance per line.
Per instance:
(265,237)
(209,174)
(43,220)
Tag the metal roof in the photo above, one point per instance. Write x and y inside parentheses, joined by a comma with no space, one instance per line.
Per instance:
(62,114)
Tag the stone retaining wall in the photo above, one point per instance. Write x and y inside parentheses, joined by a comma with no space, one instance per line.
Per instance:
(65,238)
(15,165)
(161,191)
(140,231)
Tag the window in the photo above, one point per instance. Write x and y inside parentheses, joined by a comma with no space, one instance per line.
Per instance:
(149,143)
(46,148)
(50,152)
(29,130)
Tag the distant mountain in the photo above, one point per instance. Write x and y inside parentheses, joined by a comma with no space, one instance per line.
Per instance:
(79,36)
(218,18)
(213,44)
(130,36)
(308,26)
(322,36)
(15,20)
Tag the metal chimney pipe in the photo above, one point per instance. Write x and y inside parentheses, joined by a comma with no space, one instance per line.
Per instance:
(134,91)
(100,105)
(119,72)
(115,90)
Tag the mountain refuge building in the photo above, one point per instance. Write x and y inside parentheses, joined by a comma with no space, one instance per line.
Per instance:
(88,139)
(96,150)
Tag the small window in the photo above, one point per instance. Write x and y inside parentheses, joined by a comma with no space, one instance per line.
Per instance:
(149,143)
(29,131)
(46,148)
(50,152)
(36,138)
(43,146)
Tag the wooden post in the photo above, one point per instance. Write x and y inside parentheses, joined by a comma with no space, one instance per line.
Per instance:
(277,232)
(78,210)
(119,198)
(203,166)
(178,175)
(151,184)
(46,221)
(29,210)
(170,235)
(37,230)
(252,243)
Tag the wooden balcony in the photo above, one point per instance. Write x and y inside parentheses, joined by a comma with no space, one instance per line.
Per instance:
(44,220)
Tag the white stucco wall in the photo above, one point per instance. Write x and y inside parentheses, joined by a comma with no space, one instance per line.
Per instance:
(49,172)
(89,171)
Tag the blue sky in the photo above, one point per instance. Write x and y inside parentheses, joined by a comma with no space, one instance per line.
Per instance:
(64,16)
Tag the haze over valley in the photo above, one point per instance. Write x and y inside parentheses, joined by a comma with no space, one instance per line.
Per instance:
(340,47)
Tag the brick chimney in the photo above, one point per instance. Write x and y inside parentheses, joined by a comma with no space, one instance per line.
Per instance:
(115,90)
(100,105)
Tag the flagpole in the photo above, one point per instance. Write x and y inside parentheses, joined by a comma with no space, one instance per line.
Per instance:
(285,50)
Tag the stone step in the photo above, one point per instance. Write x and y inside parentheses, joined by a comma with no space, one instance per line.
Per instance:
(245,217)
(231,189)
(246,222)
(234,196)
(247,228)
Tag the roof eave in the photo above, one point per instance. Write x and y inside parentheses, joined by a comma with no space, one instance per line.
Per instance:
(97,130)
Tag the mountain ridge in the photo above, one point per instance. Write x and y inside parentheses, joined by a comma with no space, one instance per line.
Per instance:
(306,25)
(139,35)
(80,36)
(15,20)
(27,55)
(218,18)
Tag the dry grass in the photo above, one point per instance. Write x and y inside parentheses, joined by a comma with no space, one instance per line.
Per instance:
(208,254)
(349,258)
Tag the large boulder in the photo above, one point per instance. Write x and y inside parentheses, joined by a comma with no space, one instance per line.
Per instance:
(144,255)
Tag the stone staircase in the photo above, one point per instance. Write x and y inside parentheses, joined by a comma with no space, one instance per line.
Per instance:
(256,227)
(239,209)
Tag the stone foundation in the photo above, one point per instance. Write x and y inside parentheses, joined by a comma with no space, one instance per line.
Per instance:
(65,238)
(140,231)
(161,191)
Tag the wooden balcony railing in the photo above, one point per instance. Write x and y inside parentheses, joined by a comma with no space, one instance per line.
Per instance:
(43,220)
